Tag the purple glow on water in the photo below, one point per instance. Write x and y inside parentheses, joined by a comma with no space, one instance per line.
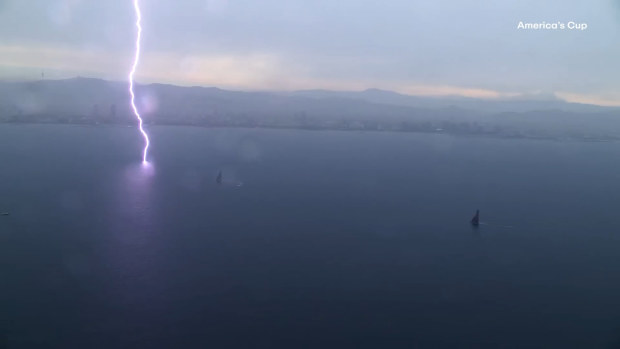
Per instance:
(131,74)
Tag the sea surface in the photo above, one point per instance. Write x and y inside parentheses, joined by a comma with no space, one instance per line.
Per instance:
(315,239)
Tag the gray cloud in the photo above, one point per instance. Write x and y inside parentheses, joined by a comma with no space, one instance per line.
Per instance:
(443,42)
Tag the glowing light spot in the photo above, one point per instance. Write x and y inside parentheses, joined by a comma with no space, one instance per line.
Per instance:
(131,74)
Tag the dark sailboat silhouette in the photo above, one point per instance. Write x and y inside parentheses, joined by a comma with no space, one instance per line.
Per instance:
(476,220)
(218,180)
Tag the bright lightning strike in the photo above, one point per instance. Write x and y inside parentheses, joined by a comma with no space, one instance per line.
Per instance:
(131,74)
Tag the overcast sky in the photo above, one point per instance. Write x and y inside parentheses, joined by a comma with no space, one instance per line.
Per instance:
(432,47)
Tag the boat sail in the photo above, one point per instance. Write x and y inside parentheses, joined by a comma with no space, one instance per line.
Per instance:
(475,221)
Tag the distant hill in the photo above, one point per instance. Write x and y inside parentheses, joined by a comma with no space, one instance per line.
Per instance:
(87,97)
(520,104)
(86,100)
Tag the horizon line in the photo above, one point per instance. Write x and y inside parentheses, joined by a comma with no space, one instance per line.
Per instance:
(515,98)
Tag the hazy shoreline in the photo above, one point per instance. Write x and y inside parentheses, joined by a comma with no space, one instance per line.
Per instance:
(316,129)
(93,101)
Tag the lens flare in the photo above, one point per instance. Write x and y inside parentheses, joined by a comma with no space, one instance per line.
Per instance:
(131,74)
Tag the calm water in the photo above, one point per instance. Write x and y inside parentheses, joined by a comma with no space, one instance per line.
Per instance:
(335,239)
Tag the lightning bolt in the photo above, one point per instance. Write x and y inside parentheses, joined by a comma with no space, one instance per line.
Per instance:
(131,74)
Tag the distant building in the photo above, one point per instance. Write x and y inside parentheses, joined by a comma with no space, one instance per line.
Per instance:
(113,111)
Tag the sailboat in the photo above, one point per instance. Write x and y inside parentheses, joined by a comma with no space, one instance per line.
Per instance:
(475,221)
(218,180)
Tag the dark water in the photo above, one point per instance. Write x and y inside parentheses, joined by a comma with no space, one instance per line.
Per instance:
(335,239)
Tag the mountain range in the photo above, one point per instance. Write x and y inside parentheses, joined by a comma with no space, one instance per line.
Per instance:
(88,100)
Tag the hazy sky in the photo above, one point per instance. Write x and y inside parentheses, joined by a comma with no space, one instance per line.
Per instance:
(431,47)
